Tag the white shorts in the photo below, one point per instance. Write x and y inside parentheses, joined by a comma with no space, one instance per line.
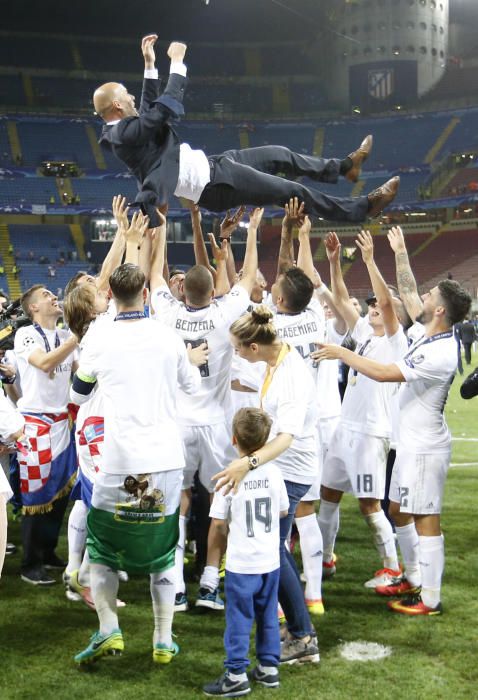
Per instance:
(356,463)
(207,449)
(418,481)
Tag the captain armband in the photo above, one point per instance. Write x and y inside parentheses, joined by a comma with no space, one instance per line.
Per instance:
(82,384)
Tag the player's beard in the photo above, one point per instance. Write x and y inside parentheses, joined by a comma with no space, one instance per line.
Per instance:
(425,317)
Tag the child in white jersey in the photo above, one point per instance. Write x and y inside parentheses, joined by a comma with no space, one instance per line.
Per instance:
(252,561)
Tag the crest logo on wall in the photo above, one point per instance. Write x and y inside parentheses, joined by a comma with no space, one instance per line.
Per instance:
(380,83)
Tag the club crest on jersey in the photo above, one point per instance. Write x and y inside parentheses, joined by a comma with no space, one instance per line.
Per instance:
(415,360)
(28,341)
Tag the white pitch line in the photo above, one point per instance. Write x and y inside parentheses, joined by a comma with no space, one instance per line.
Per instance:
(464,464)
(464,439)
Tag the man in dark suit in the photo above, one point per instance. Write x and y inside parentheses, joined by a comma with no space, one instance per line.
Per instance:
(147,142)
(467,334)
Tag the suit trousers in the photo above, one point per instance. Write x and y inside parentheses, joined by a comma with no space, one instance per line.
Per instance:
(40,533)
(252,176)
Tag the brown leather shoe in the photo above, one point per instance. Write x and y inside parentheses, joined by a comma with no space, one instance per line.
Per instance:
(358,157)
(382,196)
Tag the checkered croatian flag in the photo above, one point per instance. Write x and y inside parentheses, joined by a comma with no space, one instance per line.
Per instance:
(47,468)
(90,438)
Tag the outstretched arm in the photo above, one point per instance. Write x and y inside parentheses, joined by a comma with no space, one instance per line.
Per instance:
(135,237)
(407,286)
(249,269)
(340,292)
(370,368)
(116,251)
(220,255)
(228,226)
(380,289)
(294,216)
(169,104)
(150,91)
(200,252)
(158,254)
(306,263)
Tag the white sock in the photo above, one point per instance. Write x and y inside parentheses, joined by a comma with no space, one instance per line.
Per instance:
(210,578)
(163,592)
(329,521)
(237,676)
(76,536)
(383,537)
(311,550)
(84,572)
(104,590)
(271,670)
(179,556)
(408,542)
(432,563)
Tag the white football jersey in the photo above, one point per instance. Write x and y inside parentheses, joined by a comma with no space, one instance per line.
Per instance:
(429,368)
(253,514)
(367,404)
(210,324)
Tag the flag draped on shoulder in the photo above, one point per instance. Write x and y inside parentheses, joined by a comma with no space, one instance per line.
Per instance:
(48,467)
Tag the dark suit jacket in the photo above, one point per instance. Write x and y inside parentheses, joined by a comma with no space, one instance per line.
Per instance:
(148,144)
(466,331)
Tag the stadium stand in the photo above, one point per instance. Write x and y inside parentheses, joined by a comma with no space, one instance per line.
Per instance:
(11,90)
(55,139)
(37,52)
(51,242)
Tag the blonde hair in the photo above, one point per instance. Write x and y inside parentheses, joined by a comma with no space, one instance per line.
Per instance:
(79,309)
(251,428)
(255,327)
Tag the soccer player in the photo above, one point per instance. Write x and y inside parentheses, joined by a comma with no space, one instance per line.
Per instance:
(47,357)
(204,418)
(357,455)
(86,306)
(146,141)
(133,520)
(424,446)
(252,561)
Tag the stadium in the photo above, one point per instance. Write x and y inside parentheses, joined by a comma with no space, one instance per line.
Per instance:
(316,78)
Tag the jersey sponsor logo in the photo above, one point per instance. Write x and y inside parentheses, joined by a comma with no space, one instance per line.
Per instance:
(297,330)
(194,326)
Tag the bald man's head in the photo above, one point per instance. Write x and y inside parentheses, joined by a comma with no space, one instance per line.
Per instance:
(113,101)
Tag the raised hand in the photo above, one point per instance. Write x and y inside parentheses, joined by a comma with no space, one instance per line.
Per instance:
(365,243)
(137,229)
(305,227)
(120,211)
(177,51)
(218,253)
(147,48)
(294,213)
(256,216)
(230,222)
(397,240)
(333,247)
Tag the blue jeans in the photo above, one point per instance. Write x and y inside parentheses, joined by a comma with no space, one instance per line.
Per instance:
(291,596)
(249,597)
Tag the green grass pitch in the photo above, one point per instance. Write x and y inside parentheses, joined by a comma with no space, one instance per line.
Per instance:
(40,630)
